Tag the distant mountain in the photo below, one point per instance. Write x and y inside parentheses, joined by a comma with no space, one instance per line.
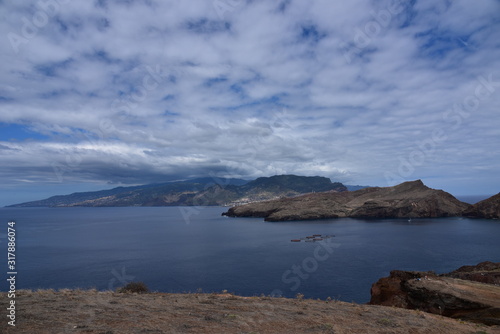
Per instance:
(407,200)
(133,196)
(291,185)
(198,192)
(472,199)
(488,208)
(354,188)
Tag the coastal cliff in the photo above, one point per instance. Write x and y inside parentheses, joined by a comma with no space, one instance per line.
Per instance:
(407,200)
(470,293)
(489,208)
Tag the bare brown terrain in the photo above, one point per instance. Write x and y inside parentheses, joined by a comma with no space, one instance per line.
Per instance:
(470,292)
(77,311)
(407,200)
(488,208)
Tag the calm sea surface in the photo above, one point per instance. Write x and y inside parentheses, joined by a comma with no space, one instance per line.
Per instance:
(186,249)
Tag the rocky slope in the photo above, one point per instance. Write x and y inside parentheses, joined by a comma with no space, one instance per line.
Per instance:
(198,192)
(407,200)
(77,311)
(484,272)
(453,295)
(489,208)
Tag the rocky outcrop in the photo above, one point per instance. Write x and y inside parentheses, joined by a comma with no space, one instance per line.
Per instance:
(443,294)
(489,208)
(484,272)
(407,200)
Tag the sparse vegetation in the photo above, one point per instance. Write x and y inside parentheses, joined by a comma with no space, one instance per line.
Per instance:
(387,322)
(111,312)
(210,318)
(134,287)
(327,326)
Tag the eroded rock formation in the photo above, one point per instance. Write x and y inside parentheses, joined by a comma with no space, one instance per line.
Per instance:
(407,200)
(489,208)
(459,294)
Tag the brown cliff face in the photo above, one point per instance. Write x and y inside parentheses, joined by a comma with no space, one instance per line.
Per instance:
(484,272)
(452,295)
(489,208)
(407,200)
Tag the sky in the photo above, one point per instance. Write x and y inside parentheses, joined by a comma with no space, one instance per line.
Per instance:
(99,94)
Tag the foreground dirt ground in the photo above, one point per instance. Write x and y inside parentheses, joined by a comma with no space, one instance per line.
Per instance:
(77,311)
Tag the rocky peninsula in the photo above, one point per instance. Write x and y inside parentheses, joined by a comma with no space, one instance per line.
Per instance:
(407,200)
(471,292)
(489,208)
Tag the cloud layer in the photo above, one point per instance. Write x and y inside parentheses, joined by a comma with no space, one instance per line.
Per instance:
(367,92)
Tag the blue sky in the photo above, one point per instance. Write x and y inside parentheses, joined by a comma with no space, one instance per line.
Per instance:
(96,94)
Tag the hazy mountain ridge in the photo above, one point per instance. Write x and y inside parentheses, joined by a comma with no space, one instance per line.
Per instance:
(199,192)
(131,196)
(355,187)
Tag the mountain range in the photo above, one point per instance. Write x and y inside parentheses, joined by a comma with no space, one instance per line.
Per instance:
(285,197)
(199,192)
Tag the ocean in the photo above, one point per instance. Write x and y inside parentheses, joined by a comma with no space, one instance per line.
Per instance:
(191,249)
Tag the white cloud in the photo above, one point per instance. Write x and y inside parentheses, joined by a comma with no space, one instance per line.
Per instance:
(146,91)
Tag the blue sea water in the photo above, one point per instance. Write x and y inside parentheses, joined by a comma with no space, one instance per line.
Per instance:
(187,249)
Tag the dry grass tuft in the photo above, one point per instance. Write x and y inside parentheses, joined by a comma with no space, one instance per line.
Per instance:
(134,287)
